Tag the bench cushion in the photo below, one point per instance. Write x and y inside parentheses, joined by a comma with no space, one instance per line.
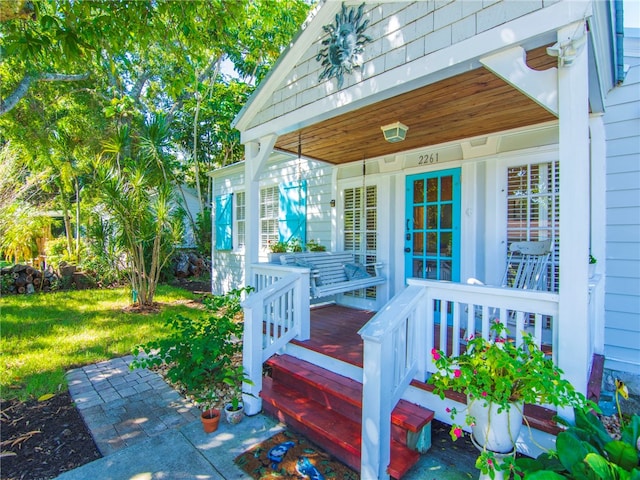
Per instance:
(355,271)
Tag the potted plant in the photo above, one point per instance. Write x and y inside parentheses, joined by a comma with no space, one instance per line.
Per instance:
(209,416)
(314,246)
(276,249)
(592,265)
(234,408)
(498,378)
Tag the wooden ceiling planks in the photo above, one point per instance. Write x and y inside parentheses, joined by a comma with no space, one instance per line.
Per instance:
(467,105)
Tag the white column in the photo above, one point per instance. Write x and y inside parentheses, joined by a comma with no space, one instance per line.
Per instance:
(573,329)
(252,209)
(256,156)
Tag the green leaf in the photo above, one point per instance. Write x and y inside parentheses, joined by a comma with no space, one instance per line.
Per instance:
(622,454)
(45,397)
(571,450)
(544,475)
(631,432)
(600,466)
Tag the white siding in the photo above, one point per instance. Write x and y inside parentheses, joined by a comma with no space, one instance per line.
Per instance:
(622,290)
(401,32)
(228,266)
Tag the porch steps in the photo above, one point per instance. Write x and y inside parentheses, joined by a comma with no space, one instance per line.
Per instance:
(327,407)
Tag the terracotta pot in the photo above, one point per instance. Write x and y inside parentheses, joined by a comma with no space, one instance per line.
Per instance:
(495,431)
(210,420)
(234,416)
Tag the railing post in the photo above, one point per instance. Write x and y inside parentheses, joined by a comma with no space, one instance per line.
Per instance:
(376,410)
(301,298)
(252,360)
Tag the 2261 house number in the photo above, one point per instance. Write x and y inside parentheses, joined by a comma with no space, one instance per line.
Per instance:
(428,159)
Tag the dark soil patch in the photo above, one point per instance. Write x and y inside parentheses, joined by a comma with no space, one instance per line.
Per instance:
(41,440)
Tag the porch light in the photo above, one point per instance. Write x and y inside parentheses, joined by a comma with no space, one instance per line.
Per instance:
(394,132)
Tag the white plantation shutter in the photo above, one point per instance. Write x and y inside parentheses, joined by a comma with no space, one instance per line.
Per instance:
(268,216)
(360,234)
(533,207)
(241,219)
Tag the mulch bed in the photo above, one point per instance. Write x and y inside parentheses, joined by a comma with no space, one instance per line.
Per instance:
(41,440)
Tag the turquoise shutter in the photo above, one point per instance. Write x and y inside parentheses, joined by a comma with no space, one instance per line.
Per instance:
(292,217)
(224,238)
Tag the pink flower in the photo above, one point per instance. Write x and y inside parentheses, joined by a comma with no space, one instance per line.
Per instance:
(448,410)
(457,432)
(484,394)
(457,373)
(436,355)
(489,461)
(471,336)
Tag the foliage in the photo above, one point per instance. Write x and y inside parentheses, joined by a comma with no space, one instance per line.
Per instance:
(203,231)
(499,372)
(293,245)
(592,259)
(135,192)
(22,228)
(44,335)
(104,259)
(587,452)
(56,251)
(75,74)
(200,351)
(314,246)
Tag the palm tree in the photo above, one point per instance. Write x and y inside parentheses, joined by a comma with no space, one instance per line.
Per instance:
(136,193)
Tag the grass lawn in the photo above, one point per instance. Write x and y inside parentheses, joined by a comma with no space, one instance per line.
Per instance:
(44,335)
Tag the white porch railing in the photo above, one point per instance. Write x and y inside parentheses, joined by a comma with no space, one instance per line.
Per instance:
(274,315)
(399,338)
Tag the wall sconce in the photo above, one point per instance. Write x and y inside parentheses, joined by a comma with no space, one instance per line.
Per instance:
(394,132)
(332,203)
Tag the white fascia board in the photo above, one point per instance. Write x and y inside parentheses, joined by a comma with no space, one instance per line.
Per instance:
(309,33)
(431,68)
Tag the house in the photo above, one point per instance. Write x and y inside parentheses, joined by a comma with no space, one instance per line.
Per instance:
(429,137)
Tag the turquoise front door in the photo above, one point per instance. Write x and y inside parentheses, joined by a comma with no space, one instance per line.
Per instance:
(432,225)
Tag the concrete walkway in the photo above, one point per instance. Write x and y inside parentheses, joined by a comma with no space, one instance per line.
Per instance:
(145,430)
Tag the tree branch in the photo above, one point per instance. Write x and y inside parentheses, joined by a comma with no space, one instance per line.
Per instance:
(21,90)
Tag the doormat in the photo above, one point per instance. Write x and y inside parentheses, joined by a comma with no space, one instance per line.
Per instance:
(289,456)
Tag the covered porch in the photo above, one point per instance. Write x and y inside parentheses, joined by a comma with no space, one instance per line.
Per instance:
(517,101)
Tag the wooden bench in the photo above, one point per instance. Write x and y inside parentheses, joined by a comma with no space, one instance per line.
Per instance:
(334,272)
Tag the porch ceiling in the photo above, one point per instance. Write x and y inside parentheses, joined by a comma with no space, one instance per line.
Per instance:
(466,105)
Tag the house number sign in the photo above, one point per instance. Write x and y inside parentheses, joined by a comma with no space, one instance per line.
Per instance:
(428,158)
(433,157)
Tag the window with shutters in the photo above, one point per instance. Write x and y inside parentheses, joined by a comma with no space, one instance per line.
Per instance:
(360,230)
(283,213)
(269,208)
(223,212)
(533,208)
(240,219)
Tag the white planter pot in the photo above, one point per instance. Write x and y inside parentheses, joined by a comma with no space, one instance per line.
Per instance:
(495,431)
(234,416)
(592,270)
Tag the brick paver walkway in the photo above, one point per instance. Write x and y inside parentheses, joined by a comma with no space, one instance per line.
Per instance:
(122,407)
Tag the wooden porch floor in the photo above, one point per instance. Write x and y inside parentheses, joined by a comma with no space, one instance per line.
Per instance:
(334,332)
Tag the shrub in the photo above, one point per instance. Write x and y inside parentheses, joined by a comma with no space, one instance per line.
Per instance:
(199,352)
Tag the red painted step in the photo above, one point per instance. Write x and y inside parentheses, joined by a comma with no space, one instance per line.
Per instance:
(340,393)
(328,409)
(337,434)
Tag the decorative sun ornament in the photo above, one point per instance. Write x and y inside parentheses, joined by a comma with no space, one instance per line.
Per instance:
(342,49)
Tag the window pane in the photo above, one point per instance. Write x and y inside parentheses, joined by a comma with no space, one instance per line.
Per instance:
(446,188)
